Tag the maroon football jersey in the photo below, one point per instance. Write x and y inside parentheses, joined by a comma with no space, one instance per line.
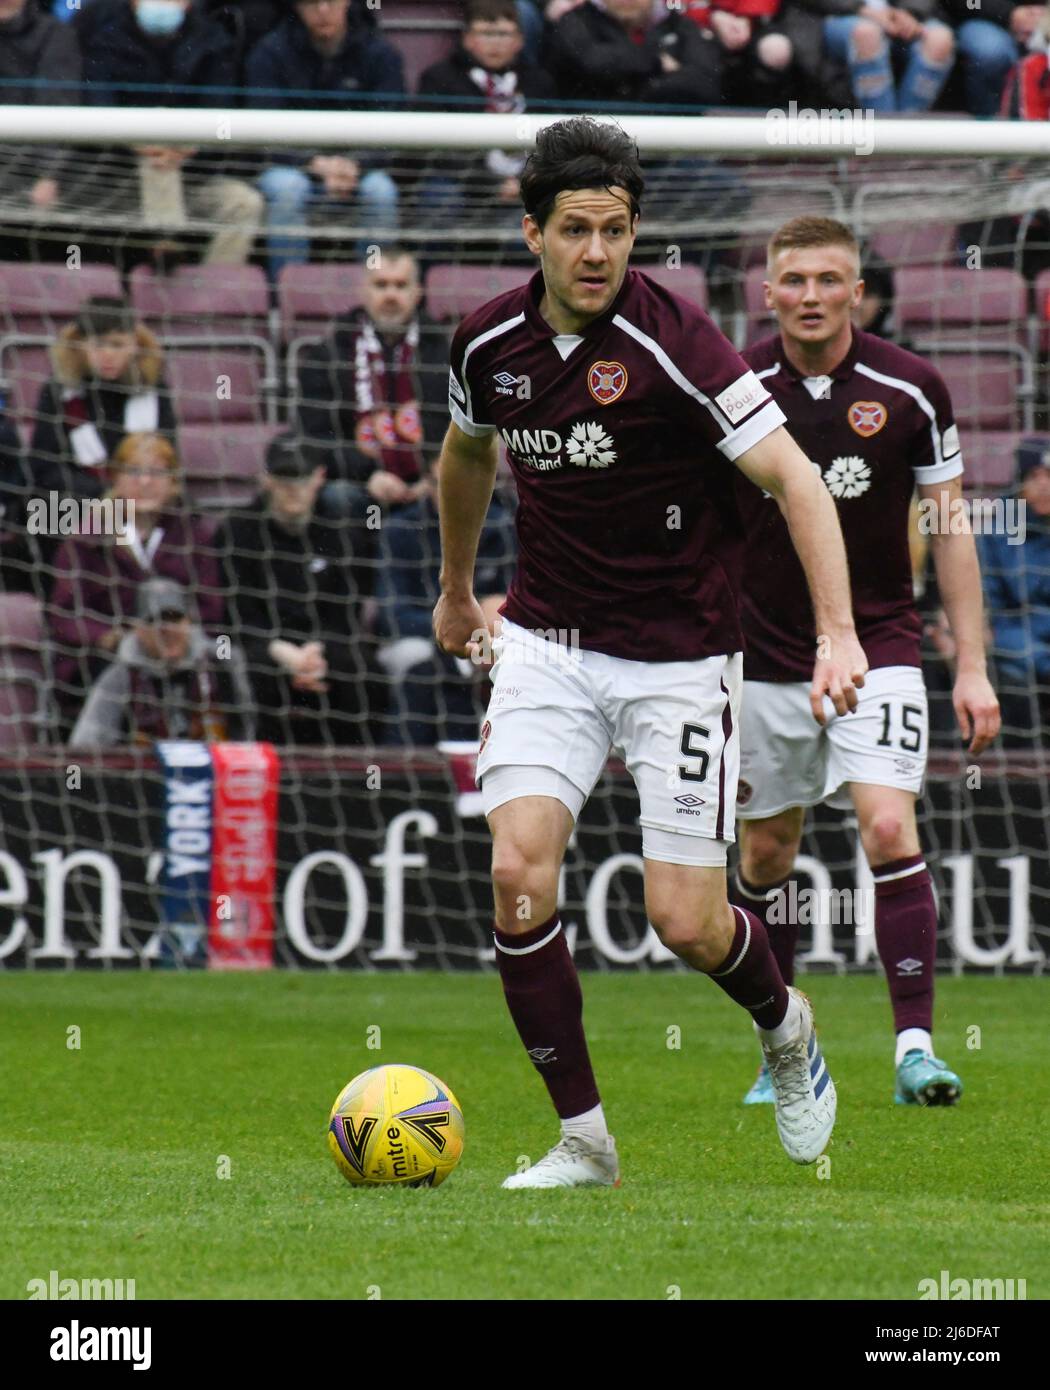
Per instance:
(878,426)
(621,439)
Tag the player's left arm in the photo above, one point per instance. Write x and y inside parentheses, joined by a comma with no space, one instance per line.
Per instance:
(777,464)
(959,582)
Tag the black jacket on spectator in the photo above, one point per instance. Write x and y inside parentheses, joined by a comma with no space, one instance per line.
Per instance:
(451,78)
(302,587)
(593,58)
(328,415)
(921,9)
(199,54)
(35,45)
(286,62)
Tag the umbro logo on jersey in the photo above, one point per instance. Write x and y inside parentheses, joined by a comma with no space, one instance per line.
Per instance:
(507,384)
(607,381)
(909,966)
(867,417)
(505,379)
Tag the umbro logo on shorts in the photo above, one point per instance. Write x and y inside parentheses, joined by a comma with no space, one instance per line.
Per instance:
(687,803)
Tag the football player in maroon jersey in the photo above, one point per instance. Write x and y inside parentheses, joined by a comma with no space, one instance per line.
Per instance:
(877,422)
(622,408)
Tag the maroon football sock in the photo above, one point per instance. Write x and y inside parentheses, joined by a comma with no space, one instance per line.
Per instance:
(783,935)
(906,937)
(543,994)
(749,973)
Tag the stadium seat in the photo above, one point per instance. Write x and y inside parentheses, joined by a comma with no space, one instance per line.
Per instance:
(686,280)
(201,396)
(310,296)
(454,290)
(197,298)
(991,387)
(23,673)
(940,302)
(24,367)
(1041,335)
(40,299)
(923,243)
(989,457)
(423,32)
(222,467)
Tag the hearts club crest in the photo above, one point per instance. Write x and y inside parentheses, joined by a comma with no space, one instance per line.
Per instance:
(607,381)
(867,417)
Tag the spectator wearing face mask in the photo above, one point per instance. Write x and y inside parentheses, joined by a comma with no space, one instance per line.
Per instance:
(169,53)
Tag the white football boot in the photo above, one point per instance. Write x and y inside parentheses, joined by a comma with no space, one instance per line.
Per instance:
(573,1162)
(804,1093)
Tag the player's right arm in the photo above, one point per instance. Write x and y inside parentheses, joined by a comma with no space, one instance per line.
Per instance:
(777,464)
(466,472)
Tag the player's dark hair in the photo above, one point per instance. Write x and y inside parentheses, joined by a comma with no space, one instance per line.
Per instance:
(803,232)
(580,153)
(490,12)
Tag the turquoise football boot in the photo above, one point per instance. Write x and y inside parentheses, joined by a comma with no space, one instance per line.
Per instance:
(761,1093)
(924,1080)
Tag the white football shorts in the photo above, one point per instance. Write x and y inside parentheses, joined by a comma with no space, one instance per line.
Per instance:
(557,712)
(787,759)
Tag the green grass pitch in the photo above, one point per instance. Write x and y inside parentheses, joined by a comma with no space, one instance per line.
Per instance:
(110,1154)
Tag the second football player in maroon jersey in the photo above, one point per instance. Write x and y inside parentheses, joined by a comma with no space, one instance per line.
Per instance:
(877,422)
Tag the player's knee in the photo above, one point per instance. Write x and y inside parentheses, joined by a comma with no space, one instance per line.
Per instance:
(767,856)
(693,934)
(886,837)
(866,41)
(524,888)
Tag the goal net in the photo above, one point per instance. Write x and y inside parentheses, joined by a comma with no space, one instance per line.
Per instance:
(241,275)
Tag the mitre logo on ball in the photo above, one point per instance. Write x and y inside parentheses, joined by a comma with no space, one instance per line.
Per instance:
(607,381)
(867,417)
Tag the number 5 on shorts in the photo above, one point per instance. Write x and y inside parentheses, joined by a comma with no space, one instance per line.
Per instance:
(689,733)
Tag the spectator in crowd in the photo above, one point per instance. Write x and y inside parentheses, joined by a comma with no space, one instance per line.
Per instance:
(628,52)
(1017,592)
(107,382)
(296,580)
(435,696)
(1025,91)
(166,681)
(36,51)
(757,51)
(486,72)
(874,313)
(321,55)
(172,46)
(98,577)
(871,38)
(373,395)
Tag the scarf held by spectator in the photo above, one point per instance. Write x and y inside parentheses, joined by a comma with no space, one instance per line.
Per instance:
(389,425)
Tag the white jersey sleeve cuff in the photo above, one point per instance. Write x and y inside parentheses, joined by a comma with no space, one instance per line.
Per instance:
(768,419)
(476,431)
(940,472)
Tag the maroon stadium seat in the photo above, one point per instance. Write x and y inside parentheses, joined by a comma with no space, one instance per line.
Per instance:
(455,290)
(686,280)
(222,467)
(23,675)
(924,243)
(193,377)
(310,296)
(990,459)
(203,298)
(423,32)
(946,302)
(24,367)
(991,388)
(43,298)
